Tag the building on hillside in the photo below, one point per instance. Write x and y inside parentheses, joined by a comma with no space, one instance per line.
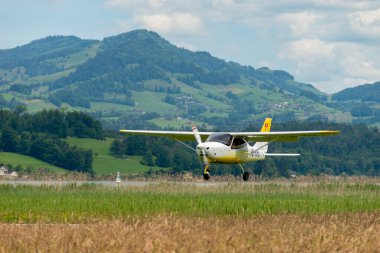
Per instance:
(3,170)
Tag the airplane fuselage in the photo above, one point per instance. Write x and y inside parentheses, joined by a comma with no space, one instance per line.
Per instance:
(221,153)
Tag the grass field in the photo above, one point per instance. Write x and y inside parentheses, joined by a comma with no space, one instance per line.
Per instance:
(172,217)
(26,161)
(283,233)
(104,163)
(74,203)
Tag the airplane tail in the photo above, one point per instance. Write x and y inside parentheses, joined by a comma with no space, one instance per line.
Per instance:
(262,147)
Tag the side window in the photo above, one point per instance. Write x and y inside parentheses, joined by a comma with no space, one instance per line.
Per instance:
(238,143)
(229,141)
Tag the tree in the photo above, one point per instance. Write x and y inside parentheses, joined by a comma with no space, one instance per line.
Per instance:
(117,148)
(269,169)
(147,159)
(9,139)
(24,143)
(163,158)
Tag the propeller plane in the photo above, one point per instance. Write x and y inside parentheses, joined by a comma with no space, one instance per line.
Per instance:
(233,148)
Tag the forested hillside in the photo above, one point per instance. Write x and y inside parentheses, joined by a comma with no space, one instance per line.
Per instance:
(362,102)
(365,93)
(141,75)
(356,151)
(41,135)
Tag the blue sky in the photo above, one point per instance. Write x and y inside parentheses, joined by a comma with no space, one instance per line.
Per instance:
(332,44)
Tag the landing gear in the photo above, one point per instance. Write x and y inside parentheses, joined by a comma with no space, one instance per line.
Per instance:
(245,173)
(245,176)
(206,172)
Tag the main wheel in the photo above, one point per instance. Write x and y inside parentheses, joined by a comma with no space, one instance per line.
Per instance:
(246,176)
(206,176)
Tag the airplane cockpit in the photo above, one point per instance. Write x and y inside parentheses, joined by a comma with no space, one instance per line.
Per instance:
(227,139)
(223,138)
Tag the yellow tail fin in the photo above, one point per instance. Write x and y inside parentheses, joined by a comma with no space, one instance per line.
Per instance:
(266,125)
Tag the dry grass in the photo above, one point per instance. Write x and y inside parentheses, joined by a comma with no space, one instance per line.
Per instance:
(359,232)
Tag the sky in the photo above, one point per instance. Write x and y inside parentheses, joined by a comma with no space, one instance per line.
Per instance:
(332,44)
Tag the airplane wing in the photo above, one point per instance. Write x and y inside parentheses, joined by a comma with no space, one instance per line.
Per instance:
(281,136)
(250,136)
(177,135)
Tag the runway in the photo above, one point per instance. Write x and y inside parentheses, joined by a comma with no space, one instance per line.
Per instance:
(107,183)
(135,183)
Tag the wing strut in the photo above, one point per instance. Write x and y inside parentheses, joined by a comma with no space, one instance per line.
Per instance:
(188,146)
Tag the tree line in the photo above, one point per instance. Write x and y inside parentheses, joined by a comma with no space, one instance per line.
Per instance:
(356,151)
(41,135)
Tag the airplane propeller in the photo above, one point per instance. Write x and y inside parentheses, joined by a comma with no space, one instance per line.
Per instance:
(201,146)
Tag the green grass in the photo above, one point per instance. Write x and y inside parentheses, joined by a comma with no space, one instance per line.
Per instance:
(37,105)
(201,95)
(89,202)
(51,77)
(26,161)
(81,57)
(151,102)
(104,163)
(99,106)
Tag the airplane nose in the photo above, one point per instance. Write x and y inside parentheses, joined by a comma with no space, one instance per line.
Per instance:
(202,146)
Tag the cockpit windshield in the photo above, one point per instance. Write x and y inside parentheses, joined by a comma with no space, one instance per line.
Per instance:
(225,139)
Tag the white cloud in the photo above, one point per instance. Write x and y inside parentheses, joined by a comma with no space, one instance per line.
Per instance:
(366,23)
(152,6)
(122,3)
(300,23)
(346,4)
(312,58)
(333,66)
(167,17)
(176,23)
(57,1)
(308,51)
(359,61)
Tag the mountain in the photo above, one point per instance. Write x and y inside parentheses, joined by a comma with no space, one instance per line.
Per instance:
(139,79)
(42,57)
(364,93)
(362,102)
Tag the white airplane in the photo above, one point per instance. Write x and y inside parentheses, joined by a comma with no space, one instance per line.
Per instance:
(233,148)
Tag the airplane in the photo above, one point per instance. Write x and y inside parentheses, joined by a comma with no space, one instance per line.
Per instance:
(233,148)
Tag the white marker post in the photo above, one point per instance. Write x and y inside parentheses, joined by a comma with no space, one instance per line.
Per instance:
(118,179)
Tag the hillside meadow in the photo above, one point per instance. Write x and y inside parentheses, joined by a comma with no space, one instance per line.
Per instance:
(27,161)
(106,164)
(103,162)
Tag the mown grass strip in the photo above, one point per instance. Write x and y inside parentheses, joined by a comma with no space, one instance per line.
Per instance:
(75,203)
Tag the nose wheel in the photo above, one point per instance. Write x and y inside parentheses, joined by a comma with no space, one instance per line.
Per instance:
(206,172)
